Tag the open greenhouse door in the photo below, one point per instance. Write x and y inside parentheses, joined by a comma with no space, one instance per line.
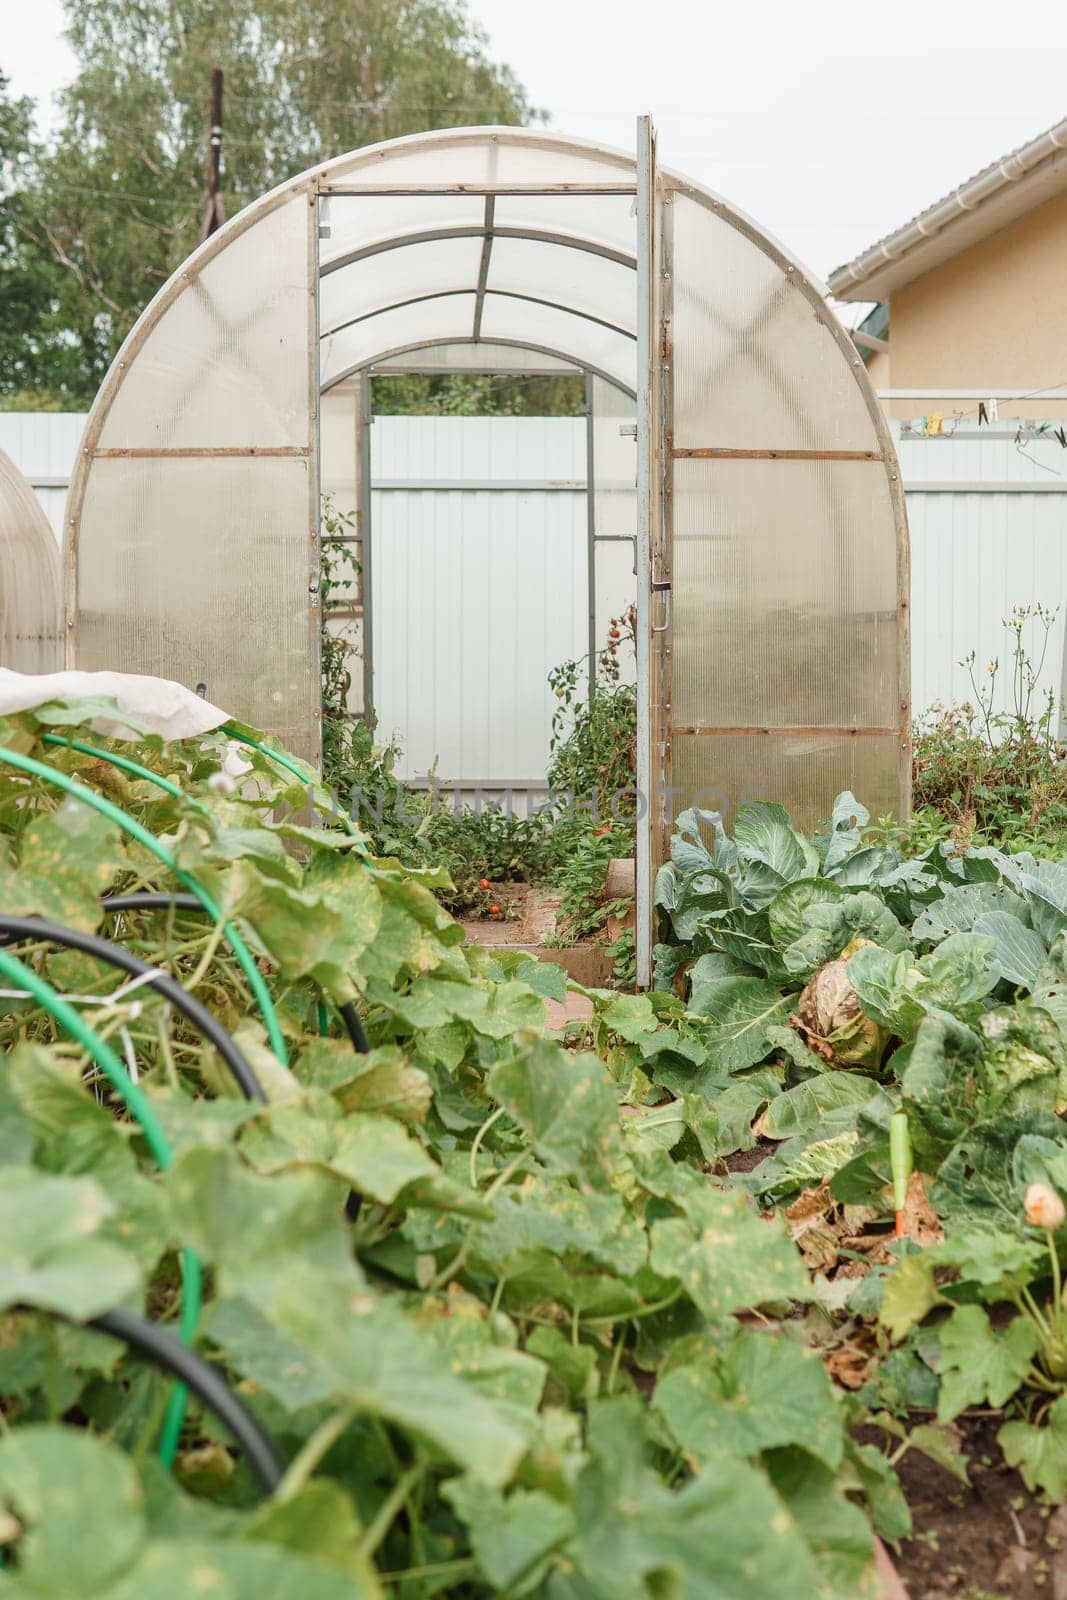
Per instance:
(653,590)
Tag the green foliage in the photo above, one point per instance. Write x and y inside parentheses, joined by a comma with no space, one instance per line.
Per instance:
(958,957)
(997,776)
(481,1381)
(477,395)
(595,725)
(561,844)
(112,203)
(38,370)
(580,870)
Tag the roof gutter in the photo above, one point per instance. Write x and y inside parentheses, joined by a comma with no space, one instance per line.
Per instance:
(1009,170)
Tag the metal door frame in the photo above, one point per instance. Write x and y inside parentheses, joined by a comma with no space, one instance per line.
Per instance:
(652,543)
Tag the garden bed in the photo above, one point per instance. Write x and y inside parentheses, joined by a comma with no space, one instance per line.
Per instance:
(975,1540)
(984,1538)
(472,1284)
(524,919)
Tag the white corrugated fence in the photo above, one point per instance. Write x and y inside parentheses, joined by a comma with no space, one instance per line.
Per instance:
(479,570)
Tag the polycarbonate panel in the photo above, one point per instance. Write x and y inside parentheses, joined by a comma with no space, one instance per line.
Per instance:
(801,772)
(349,629)
(590,284)
(475,356)
(339,469)
(377,282)
(480,158)
(447,317)
(616,592)
(357,222)
(31,638)
(504,317)
(604,219)
(227,362)
(756,367)
(198,570)
(339,456)
(614,462)
(614,508)
(339,484)
(784,602)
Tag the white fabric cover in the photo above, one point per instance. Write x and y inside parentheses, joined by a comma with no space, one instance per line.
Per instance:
(153,705)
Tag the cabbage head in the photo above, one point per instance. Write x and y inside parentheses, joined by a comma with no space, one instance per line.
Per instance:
(831,1018)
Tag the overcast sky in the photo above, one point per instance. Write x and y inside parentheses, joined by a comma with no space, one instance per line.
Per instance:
(830,126)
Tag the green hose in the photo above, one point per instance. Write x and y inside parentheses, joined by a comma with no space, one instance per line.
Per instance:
(135,830)
(137,1104)
(133,767)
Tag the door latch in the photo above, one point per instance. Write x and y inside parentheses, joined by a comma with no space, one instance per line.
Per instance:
(664,588)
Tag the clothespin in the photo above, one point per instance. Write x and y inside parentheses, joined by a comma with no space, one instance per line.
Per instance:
(993,417)
(922,426)
(983,414)
(935,423)
(1062,437)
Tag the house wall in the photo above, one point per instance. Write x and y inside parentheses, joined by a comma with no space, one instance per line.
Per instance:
(878,369)
(993,317)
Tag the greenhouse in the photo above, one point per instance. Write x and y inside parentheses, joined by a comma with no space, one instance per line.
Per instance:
(743,488)
(29,578)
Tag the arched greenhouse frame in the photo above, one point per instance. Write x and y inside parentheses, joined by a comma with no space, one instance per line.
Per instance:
(763,515)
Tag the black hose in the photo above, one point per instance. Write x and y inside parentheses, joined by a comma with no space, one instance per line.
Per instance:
(115,955)
(147,901)
(354,1024)
(160,1346)
(360,1045)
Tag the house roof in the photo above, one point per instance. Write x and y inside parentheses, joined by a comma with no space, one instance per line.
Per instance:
(1006,189)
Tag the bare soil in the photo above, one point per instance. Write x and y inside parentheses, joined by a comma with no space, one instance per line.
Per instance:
(749,1160)
(987,1538)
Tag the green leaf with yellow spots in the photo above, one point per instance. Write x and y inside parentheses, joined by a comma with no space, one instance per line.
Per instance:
(49,1253)
(565,1104)
(762,1391)
(725,1256)
(67,858)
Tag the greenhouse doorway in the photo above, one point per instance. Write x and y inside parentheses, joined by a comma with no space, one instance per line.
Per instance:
(490,549)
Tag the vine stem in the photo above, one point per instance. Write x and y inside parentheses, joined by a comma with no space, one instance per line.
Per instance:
(311,1452)
(616,1358)
(383,1518)
(167,1053)
(631,1316)
(210,948)
(477,1143)
(1028,1304)
(1038,1379)
(455,1265)
(433,1570)
(1057,1283)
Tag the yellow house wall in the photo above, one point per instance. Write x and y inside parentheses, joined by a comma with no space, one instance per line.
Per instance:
(878,369)
(993,317)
